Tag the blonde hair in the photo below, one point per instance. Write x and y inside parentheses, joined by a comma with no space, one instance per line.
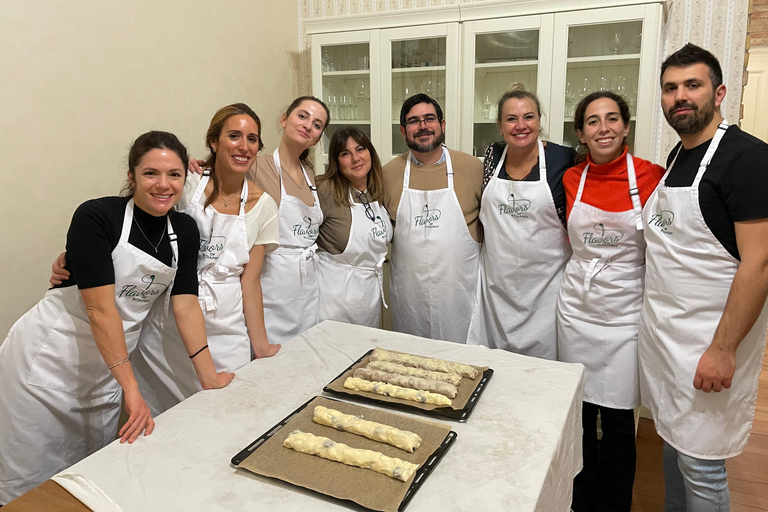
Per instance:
(517,91)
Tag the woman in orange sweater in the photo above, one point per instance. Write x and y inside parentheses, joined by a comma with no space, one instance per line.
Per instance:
(602,291)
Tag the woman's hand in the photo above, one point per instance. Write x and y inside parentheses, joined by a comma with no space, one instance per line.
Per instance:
(139,419)
(195,166)
(222,379)
(58,272)
(260,352)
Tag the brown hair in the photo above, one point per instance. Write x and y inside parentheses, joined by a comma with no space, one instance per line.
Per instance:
(304,157)
(581,109)
(339,183)
(213,134)
(145,143)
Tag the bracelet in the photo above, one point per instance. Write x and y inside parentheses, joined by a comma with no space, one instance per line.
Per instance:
(119,363)
(193,355)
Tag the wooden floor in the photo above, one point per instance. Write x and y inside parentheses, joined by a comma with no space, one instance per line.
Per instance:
(747,473)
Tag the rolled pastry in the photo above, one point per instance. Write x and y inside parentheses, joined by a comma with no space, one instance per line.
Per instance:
(402,439)
(427,363)
(382,388)
(450,378)
(339,452)
(406,381)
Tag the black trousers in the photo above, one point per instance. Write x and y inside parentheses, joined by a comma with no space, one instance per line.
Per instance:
(606,480)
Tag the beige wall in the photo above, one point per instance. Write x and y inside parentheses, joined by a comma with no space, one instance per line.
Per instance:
(80,79)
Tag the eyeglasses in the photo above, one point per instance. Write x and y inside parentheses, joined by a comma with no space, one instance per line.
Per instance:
(415,122)
(367,205)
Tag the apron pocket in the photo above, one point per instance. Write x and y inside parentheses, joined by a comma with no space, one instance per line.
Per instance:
(69,361)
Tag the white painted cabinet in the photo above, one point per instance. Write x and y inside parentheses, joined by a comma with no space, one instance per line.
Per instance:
(364,66)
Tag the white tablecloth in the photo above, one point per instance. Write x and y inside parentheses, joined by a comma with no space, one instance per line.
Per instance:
(519,450)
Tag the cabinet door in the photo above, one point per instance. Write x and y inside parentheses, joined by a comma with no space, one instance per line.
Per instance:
(496,54)
(345,75)
(607,49)
(422,58)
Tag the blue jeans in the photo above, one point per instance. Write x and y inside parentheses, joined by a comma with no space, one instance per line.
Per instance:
(694,485)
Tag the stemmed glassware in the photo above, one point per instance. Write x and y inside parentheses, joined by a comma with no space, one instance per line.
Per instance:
(570,97)
(615,41)
(362,94)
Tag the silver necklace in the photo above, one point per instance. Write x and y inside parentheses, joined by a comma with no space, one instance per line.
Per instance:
(147,239)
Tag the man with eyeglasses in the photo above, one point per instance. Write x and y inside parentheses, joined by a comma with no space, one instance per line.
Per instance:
(433,196)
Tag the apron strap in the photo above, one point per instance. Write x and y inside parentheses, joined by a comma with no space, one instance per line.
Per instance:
(721,129)
(595,266)
(173,237)
(380,275)
(201,186)
(634,193)
(581,184)
(127,220)
(542,162)
(308,254)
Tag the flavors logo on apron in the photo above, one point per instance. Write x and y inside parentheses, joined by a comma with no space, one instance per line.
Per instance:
(306,231)
(428,218)
(137,294)
(380,228)
(211,249)
(515,207)
(602,237)
(663,220)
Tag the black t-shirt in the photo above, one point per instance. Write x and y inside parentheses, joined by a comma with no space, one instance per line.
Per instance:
(95,231)
(734,188)
(559,159)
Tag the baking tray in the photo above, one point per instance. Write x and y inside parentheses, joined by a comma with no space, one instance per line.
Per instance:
(427,467)
(461,414)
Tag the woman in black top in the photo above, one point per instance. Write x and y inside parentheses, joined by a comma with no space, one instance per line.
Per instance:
(526,246)
(65,364)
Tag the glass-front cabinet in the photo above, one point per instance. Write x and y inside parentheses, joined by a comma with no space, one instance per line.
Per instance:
(365,66)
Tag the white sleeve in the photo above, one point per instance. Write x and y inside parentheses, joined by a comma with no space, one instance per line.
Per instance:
(261,224)
(190,186)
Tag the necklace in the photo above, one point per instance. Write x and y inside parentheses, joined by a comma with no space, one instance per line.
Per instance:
(147,239)
(224,198)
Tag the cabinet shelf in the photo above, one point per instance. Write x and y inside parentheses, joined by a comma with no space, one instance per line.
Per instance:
(361,73)
(416,71)
(345,122)
(602,60)
(632,119)
(507,64)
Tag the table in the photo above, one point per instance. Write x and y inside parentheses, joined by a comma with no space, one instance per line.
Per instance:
(519,450)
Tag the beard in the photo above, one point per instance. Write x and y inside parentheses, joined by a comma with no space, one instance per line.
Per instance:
(695,121)
(425,148)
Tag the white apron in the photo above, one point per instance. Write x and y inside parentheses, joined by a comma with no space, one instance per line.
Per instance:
(351,284)
(435,263)
(600,298)
(688,280)
(289,274)
(58,400)
(164,371)
(525,250)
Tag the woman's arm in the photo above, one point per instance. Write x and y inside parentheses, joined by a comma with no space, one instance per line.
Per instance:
(191,324)
(107,329)
(253,304)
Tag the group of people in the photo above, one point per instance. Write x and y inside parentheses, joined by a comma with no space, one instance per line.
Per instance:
(540,250)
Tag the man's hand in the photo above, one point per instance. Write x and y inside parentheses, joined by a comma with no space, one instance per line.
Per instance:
(715,370)
(58,272)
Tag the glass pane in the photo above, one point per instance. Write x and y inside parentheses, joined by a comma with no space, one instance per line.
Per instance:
(584,78)
(350,57)
(347,82)
(515,45)
(605,39)
(418,53)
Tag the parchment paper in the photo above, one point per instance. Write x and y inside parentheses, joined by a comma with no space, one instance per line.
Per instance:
(363,486)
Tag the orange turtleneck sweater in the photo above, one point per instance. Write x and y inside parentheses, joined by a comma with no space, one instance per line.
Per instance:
(607,185)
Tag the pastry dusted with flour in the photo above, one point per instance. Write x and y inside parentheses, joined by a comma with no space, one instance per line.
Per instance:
(426,363)
(384,366)
(402,439)
(406,381)
(382,388)
(325,448)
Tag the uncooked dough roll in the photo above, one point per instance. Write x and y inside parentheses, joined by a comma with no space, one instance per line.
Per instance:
(450,378)
(406,381)
(382,388)
(427,363)
(402,439)
(325,448)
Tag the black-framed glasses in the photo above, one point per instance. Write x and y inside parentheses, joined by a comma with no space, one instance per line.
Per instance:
(415,122)
(367,206)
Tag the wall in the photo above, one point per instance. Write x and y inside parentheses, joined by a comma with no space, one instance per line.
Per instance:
(758,23)
(719,25)
(80,79)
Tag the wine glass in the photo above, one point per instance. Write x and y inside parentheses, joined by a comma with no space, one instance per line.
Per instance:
(487,105)
(426,86)
(615,41)
(570,96)
(619,86)
(603,84)
(637,40)
(361,93)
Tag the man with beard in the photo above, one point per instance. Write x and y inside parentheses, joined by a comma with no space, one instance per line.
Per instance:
(703,321)
(433,196)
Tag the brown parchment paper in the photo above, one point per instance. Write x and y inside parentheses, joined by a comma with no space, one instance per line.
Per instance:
(363,486)
(465,388)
